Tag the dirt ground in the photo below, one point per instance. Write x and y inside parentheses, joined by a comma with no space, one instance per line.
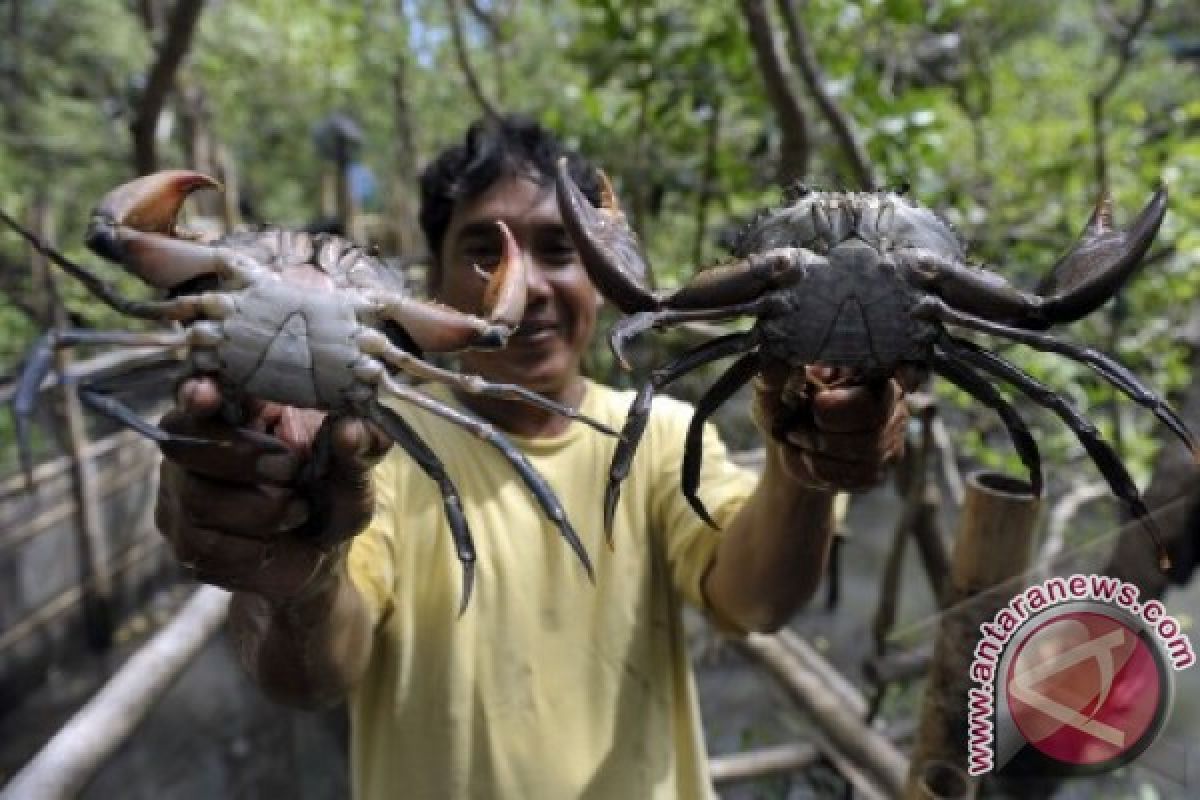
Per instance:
(213,735)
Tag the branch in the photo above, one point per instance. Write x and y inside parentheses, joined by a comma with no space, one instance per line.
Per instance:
(486,19)
(712,137)
(793,122)
(464,62)
(843,127)
(181,25)
(1101,96)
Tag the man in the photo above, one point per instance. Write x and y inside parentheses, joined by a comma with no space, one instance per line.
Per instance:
(548,686)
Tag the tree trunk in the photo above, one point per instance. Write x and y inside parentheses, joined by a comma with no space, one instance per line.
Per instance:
(181,25)
(793,122)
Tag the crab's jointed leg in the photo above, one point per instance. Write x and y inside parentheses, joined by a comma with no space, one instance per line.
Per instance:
(1106,367)
(639,411)
(725,386)
(40,362)
(106,292)
(1101,453)
(529,476)
(745,280)
(949,364)
(375,343)
(410,442)
(635,325)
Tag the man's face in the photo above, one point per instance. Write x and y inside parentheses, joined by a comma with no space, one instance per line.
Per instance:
(560,311)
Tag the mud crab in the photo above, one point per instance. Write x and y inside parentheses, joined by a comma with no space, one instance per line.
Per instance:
(311,321)
(870,282)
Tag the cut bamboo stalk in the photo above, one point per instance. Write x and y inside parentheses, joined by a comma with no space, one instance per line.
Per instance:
(994,545)
(69,760)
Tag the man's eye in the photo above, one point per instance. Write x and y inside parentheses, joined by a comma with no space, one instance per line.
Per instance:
(482,256)
(558,254)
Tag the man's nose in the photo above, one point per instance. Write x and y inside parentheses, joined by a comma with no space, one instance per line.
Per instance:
(539,284)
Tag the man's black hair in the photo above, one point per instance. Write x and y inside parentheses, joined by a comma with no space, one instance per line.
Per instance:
(513,145)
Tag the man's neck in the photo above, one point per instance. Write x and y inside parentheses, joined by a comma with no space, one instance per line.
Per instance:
(522,419)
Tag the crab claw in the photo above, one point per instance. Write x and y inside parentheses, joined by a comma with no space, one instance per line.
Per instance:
(1100,263)
(608,248)
(134,225)
(504,297)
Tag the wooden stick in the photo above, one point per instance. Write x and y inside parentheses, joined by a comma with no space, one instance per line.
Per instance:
(994,545)
(69,760)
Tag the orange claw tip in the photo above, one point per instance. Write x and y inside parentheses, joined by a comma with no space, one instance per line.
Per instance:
(151,203)
(504,298)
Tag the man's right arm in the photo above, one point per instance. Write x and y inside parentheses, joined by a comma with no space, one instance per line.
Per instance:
(237,518)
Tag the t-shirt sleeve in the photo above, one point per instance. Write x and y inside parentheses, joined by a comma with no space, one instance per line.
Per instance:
(372,559)
(688,543)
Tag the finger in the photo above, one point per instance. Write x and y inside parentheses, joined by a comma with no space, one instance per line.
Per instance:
(772,375)
(821,471)
(275,569)
(358,445)
(855,408)
(911,376)
(237,455)
(198,396)
(297,427)
(250,510)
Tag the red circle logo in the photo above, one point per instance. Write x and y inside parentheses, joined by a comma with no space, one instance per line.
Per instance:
(1086,689)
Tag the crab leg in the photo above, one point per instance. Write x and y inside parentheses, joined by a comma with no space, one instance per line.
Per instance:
(635,325)
(464,546)
(40,362)
(745,280)
(947,362)
(1102,454)
(1103,365)
(533,481)
(108,294)
(730,381)
(375,343)
(639,411)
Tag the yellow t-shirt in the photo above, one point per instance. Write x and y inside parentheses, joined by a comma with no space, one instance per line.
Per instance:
(547,687)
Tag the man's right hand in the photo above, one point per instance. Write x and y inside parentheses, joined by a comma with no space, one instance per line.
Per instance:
(259,513)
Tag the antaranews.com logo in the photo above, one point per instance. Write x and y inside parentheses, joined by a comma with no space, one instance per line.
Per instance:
(1073,677)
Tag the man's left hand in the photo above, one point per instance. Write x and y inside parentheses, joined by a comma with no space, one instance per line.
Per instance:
(828,431)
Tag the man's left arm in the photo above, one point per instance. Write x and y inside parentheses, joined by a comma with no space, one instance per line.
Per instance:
(772,555)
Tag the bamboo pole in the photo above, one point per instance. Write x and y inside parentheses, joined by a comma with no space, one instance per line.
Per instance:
(69,760)
(861,746)
(994,545)
(92,542)
(762,763)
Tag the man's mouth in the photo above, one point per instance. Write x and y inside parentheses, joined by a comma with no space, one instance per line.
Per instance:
(535,329)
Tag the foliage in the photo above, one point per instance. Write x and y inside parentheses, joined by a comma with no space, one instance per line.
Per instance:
(981,106)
